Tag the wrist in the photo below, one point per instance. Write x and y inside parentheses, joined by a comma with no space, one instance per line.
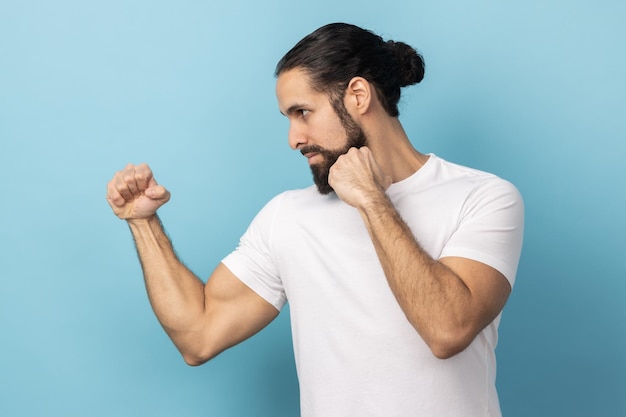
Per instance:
(143,222)
(372,198)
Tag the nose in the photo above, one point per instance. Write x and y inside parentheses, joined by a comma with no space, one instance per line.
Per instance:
(296,136)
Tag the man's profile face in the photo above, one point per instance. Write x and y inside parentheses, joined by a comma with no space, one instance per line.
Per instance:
(320,130)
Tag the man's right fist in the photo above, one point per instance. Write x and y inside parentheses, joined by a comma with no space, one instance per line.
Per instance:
(133,193)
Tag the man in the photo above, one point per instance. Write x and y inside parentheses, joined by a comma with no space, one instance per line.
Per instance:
(396,265)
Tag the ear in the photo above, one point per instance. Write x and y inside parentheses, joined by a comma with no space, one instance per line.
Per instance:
(358,95)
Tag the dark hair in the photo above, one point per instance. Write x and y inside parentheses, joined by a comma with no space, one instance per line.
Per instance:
(335,53)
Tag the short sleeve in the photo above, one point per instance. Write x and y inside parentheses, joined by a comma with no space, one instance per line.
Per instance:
(491,227)
(252,261)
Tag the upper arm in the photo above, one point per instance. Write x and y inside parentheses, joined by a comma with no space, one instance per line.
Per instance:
(233,313)
(488,287)
(484,251)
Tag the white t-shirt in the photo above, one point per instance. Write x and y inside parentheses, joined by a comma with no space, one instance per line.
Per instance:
(356,353)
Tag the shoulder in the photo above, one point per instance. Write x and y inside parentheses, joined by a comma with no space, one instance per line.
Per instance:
(294,201)
(303,199)
(478,181)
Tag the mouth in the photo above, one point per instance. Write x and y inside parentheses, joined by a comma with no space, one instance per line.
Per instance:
(310,156)
(311,153)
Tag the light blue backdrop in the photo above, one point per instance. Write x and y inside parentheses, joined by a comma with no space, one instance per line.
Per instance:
(534,91)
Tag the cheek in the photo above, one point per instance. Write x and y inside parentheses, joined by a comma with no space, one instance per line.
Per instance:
(333,135)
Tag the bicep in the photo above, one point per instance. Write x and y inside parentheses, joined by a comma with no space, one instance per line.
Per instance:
(488,287)
(234,312)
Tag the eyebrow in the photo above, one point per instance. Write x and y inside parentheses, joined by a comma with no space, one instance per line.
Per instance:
(293,108)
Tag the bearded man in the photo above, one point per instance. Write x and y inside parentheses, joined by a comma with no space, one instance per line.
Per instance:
(396,264)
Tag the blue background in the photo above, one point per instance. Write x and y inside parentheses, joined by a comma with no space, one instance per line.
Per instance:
(534,91)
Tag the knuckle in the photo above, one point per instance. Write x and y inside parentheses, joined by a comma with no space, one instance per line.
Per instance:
(143,172)
(143,167)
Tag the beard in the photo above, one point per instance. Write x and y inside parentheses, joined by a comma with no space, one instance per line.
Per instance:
(355,138)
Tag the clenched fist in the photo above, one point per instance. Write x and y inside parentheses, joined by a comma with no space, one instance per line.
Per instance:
(356,177)
(133,193)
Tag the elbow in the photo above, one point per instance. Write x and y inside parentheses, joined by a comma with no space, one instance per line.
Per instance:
(197,356)
(195,346)
(195,360)
(447,350)
(446,345)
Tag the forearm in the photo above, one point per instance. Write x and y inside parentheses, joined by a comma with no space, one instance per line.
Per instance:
(175,293)
(434,299)
(448,301)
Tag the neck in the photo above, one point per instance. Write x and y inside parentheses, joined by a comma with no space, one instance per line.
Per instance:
(393,150)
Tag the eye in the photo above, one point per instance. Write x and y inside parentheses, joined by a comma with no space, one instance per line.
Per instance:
(303,112)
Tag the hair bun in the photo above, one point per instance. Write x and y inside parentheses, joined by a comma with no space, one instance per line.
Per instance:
(410,63)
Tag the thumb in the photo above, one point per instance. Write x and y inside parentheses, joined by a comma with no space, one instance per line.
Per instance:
(157,192)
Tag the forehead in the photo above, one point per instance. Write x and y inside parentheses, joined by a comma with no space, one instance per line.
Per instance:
(293,88)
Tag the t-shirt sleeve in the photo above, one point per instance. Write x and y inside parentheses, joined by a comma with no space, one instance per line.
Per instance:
(491,227)
(252,261)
